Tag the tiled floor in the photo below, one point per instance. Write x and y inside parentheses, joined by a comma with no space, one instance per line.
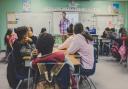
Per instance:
(109,75)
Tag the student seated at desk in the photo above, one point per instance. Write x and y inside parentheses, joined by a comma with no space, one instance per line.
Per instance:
(82,44)
(21,48)
(9,39)
(45,45)
(67,42)
(33,38)
(43,30)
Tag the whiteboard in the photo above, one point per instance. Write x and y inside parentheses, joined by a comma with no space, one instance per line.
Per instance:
(35,20)
(50,20)
(87,19)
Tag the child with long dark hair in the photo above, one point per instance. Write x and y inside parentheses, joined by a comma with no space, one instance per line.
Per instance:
(83,45)
(9,39)
(16,65)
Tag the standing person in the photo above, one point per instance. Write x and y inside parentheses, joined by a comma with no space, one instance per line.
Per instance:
(9,39)
(64,24)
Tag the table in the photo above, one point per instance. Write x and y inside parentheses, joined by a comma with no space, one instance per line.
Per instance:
(27,64)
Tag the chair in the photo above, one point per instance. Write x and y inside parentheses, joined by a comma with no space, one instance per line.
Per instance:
(48,74)
(15,74)
(86,77)
(22,77)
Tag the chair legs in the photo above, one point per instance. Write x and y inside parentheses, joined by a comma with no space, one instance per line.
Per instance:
(93,84)
(89,82)
(17,87)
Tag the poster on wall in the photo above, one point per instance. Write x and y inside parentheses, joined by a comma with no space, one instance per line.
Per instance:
(115,8)
(26,5)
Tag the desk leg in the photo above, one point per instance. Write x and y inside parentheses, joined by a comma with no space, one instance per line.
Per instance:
(77,75)
(29,78)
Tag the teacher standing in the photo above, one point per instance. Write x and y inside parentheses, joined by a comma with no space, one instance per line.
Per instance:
(63,25)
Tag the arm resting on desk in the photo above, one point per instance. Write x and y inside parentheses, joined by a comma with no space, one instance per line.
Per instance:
(56,56)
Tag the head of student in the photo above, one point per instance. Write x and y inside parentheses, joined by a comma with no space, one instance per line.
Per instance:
(78,28)
(70,29)
(45,43)
(113,29)
(107,29)
(30,31)
(9,32)
(22,34)
(43,30)
(64,14)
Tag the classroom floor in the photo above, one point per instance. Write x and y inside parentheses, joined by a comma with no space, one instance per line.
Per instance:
(109,75)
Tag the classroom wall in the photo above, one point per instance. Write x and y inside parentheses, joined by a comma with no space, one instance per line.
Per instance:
(126,15)
(38,5)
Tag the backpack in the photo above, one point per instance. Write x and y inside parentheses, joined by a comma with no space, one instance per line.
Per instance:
(122,51)
(114,49)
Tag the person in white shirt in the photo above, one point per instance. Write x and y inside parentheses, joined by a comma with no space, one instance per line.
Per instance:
(82,44)
(68,41)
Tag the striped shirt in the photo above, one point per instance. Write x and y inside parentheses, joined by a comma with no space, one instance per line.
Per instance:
(64,24)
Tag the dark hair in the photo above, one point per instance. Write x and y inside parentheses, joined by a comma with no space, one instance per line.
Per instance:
(45,43)
(21,31)
(78,28)
(43,30)
(107,29)
(64,12)
(9,32)
(70,29)
(31,29)
(113,29)
(87,36)
(87,28)
(122,30)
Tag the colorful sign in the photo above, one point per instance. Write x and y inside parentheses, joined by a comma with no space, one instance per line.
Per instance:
(115,7)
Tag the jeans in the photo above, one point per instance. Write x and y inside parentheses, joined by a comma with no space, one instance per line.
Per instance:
(71,66)
(88,72)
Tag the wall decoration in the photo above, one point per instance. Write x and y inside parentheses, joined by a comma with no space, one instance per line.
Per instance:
(115,8)
(26,5)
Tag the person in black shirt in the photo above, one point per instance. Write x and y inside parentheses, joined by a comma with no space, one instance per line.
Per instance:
(21,48)
(45,44)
